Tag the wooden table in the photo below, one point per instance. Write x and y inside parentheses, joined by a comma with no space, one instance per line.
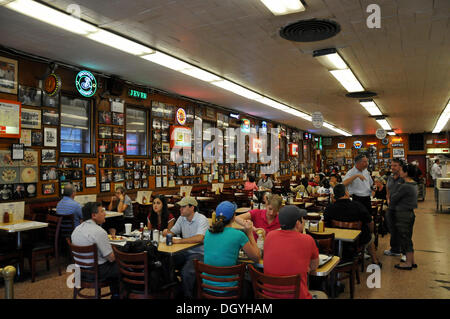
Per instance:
(242,210)
(342,235)
(302,204)
(18,226)
(110,214)
(204,199)
(175,248)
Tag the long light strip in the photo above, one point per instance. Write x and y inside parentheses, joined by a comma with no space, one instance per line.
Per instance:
(281,7)
(348,80)
(391,133)
(384,124)
(443,119)
(371,107)
(67,22)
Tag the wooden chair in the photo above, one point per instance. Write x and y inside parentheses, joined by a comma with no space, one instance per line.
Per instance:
(233,273)
(8,251)
(350,267)
(42,250)
(280,285)
(324,241)
(87,258)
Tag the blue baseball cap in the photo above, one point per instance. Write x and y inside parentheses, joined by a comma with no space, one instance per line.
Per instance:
(226,209)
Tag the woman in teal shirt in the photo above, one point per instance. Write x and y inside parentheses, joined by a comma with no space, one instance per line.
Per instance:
(222,242)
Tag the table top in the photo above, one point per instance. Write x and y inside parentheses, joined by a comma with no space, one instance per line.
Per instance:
(21,225)
(347,235)
(321,271)
(241,210)
(175,248)
(112,214)
(301,203)
(204,198)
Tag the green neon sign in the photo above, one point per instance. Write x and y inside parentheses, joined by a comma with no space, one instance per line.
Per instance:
(86,83)
(137,94)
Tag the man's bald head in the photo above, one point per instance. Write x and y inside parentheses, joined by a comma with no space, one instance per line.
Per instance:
(69,190)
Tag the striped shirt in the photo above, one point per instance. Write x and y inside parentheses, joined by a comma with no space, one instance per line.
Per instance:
(67,206)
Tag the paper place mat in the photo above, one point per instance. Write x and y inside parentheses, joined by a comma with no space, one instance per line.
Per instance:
(24,226)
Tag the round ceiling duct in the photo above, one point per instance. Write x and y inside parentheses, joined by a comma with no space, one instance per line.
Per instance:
(310,30)
(361,95)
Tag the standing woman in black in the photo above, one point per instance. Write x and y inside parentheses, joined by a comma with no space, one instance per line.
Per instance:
(403,202)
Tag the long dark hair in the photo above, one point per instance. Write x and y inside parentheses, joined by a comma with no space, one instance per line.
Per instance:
(305,184)
(164,214)
(219,225)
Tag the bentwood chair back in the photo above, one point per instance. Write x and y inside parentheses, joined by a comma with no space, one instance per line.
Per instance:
(274,287)
(325,242)
(232,274)
(134,276)
(87,259)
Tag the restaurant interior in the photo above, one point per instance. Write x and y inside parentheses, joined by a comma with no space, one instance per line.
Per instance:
(191,99)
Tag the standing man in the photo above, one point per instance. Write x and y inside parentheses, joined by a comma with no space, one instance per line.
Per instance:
(393,182)
(192,227)
(68,206)
(436,172)
(359,182)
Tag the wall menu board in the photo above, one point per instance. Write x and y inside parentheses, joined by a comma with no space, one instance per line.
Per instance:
(10,118)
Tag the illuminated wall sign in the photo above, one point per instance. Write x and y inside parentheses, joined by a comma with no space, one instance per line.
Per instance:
(357,144)
(396,140)
(306,136)
(52,84)
(181,116)
(293,149)
(438,150)
(397,145)
(245,126)
(86,83)
(341,145)
(235,116)
(264,126)
(137,94)
(442,141)
(371,143)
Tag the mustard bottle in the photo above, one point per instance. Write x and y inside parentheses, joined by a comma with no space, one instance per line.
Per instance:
(321,226)
(213,217)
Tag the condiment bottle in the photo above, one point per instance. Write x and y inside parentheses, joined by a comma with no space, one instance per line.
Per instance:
(213,217)
(6,217)
(321,225)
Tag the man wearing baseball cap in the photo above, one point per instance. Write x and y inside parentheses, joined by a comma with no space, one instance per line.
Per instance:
(289,252)
(191,226)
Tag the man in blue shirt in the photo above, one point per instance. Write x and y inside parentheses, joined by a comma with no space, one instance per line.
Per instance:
(68,206)
(192,227)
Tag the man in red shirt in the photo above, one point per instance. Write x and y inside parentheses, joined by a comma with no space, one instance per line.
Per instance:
(289,252)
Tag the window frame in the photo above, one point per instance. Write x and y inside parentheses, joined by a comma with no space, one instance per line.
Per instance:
(147,133)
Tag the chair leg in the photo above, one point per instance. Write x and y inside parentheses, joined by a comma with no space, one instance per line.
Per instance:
(57,263)
(47,260)
(33,268)
(75,293)
(356,270)
(352,283)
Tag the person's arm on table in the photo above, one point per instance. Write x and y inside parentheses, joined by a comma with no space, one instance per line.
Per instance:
(110,207)
(251,248)
(191,240)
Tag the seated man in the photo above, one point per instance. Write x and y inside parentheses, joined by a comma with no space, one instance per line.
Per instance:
(345,210)
(265,182)
(89,232)
(68,206)
(192,227)
(289,252)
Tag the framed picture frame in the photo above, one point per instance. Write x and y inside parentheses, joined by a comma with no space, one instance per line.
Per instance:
(105,187)
(50,137)
(117,133)
(104,117)
(104,160)
(104,147)
(9,76)
(48,155)
(91,182)
(117,118)
(30,96)
(104,132)
(50,101)
(90,169)
(129,165)
(118,147)
(36,138)
(50,117)
(49,173)
(165,148)
(17,151)
(48,189)
(31,118)
(118,161)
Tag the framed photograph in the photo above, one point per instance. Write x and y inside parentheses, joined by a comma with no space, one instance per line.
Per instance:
(117,185)
(137,175)
(8,75)
(106,175)
(137,184)
(6,192)
(78,186)
(104,146)
(50,101)
(91,182)
(128,175)
(30,190)
(49,173)
(19,191)
(50,136)
(398,152)
(104,132)
(129,185)
(165,148)
(118,147)
(144,183)
(104,160)
(117,118)
(36,138)
(129,164)
(117,133)
(31,118)
(25,137)
(117,106)
(104,117)
(158,170)
(90,169)
(48,155)
(105,187)
(48,189)
(17,151)
(144,165)
(118,176)
(164,170)
(30,96)
(118,161)
(152,170)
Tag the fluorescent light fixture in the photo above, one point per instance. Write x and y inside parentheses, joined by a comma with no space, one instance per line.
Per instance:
(281,7)
(74,126)
(330,58)
(273,104)
(384,124)
(348,80)
(201,74)
(237,89)
(329,126)
(299,114)
(333,128)
(167,61)
(73,116)
(443,119)
(120,43)
(51,16)
(391,133)
(370,107)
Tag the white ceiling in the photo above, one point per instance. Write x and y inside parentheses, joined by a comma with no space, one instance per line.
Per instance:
(407,61)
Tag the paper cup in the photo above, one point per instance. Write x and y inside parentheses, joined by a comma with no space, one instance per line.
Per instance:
(127,229)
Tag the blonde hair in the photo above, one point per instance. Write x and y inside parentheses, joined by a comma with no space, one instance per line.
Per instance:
(275,201)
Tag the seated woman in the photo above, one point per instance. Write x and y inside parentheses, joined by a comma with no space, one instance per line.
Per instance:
(326,188)
(250,184)
(159,218)
(222,242)
(263,219)
(380,190)
(303,189)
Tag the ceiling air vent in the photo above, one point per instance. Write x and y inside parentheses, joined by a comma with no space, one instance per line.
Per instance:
(310,30)
(361,95)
